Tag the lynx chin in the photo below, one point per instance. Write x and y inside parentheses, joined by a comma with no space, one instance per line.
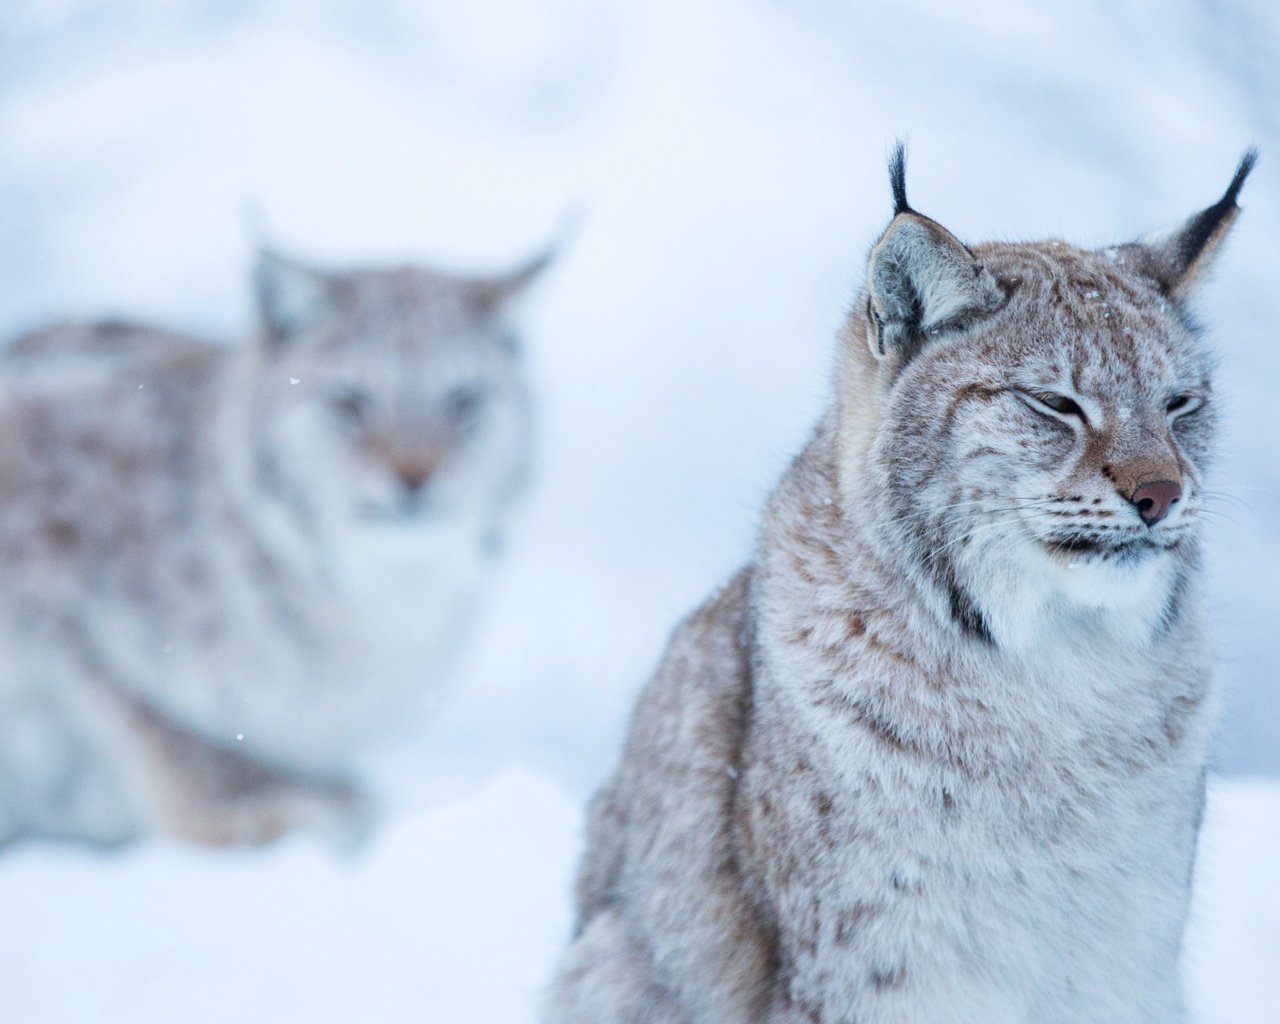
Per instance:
(227,568)
(936,755)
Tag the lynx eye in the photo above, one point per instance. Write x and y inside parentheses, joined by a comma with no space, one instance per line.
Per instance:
(463,405)
(352,404)
(1062,404)
(1054,403)
(1180,405)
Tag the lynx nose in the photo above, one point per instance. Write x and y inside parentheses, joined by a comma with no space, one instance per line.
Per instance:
(413,476)
(1154,500)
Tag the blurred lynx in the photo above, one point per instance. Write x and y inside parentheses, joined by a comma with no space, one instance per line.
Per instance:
(226,568)
(936,756)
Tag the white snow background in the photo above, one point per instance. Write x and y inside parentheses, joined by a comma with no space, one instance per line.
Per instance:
(728,158)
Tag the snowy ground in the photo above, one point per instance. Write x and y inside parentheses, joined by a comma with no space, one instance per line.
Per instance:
(728,156)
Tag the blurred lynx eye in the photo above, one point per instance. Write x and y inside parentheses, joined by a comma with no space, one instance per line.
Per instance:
(352,404)
(1182,404)
(463,405)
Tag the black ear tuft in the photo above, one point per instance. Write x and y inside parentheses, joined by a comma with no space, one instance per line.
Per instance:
(1247,163)
(1202,228)
(1176,260)
(898,178)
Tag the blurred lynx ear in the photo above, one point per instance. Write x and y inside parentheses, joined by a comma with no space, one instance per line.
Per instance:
(290,296)
(489,295)
(1177,259)
(921,279)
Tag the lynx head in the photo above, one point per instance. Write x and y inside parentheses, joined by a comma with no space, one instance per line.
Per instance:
(1036,419)
(390,396)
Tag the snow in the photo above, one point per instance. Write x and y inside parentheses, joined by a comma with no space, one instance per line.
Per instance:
(1233,947)
(452,914)
(728,156)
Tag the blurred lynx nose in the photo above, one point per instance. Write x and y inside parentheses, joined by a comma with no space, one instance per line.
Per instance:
(413,475)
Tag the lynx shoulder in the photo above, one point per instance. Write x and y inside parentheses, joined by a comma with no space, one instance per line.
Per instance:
(226,568)
(937,754)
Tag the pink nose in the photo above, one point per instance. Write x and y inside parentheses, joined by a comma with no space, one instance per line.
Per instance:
(1154,500)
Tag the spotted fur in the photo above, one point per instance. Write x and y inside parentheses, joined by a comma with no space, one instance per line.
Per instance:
(936,755)
(227,568)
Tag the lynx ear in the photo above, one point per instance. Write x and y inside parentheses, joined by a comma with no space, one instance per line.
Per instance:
(290,296)
(1177,259)
(921,279)
(488,295)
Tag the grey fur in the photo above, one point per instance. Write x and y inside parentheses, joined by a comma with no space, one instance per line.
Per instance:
(936,755)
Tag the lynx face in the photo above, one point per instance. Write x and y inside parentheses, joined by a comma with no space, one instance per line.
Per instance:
(1047,416)
(396,396)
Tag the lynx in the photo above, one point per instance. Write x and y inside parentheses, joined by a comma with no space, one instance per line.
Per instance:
(227,568)
(936,755)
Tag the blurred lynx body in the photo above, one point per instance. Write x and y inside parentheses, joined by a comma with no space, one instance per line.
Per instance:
(936,756)
(227,568)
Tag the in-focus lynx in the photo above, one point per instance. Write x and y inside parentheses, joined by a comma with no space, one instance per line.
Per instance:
(936,755)
(226,568)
